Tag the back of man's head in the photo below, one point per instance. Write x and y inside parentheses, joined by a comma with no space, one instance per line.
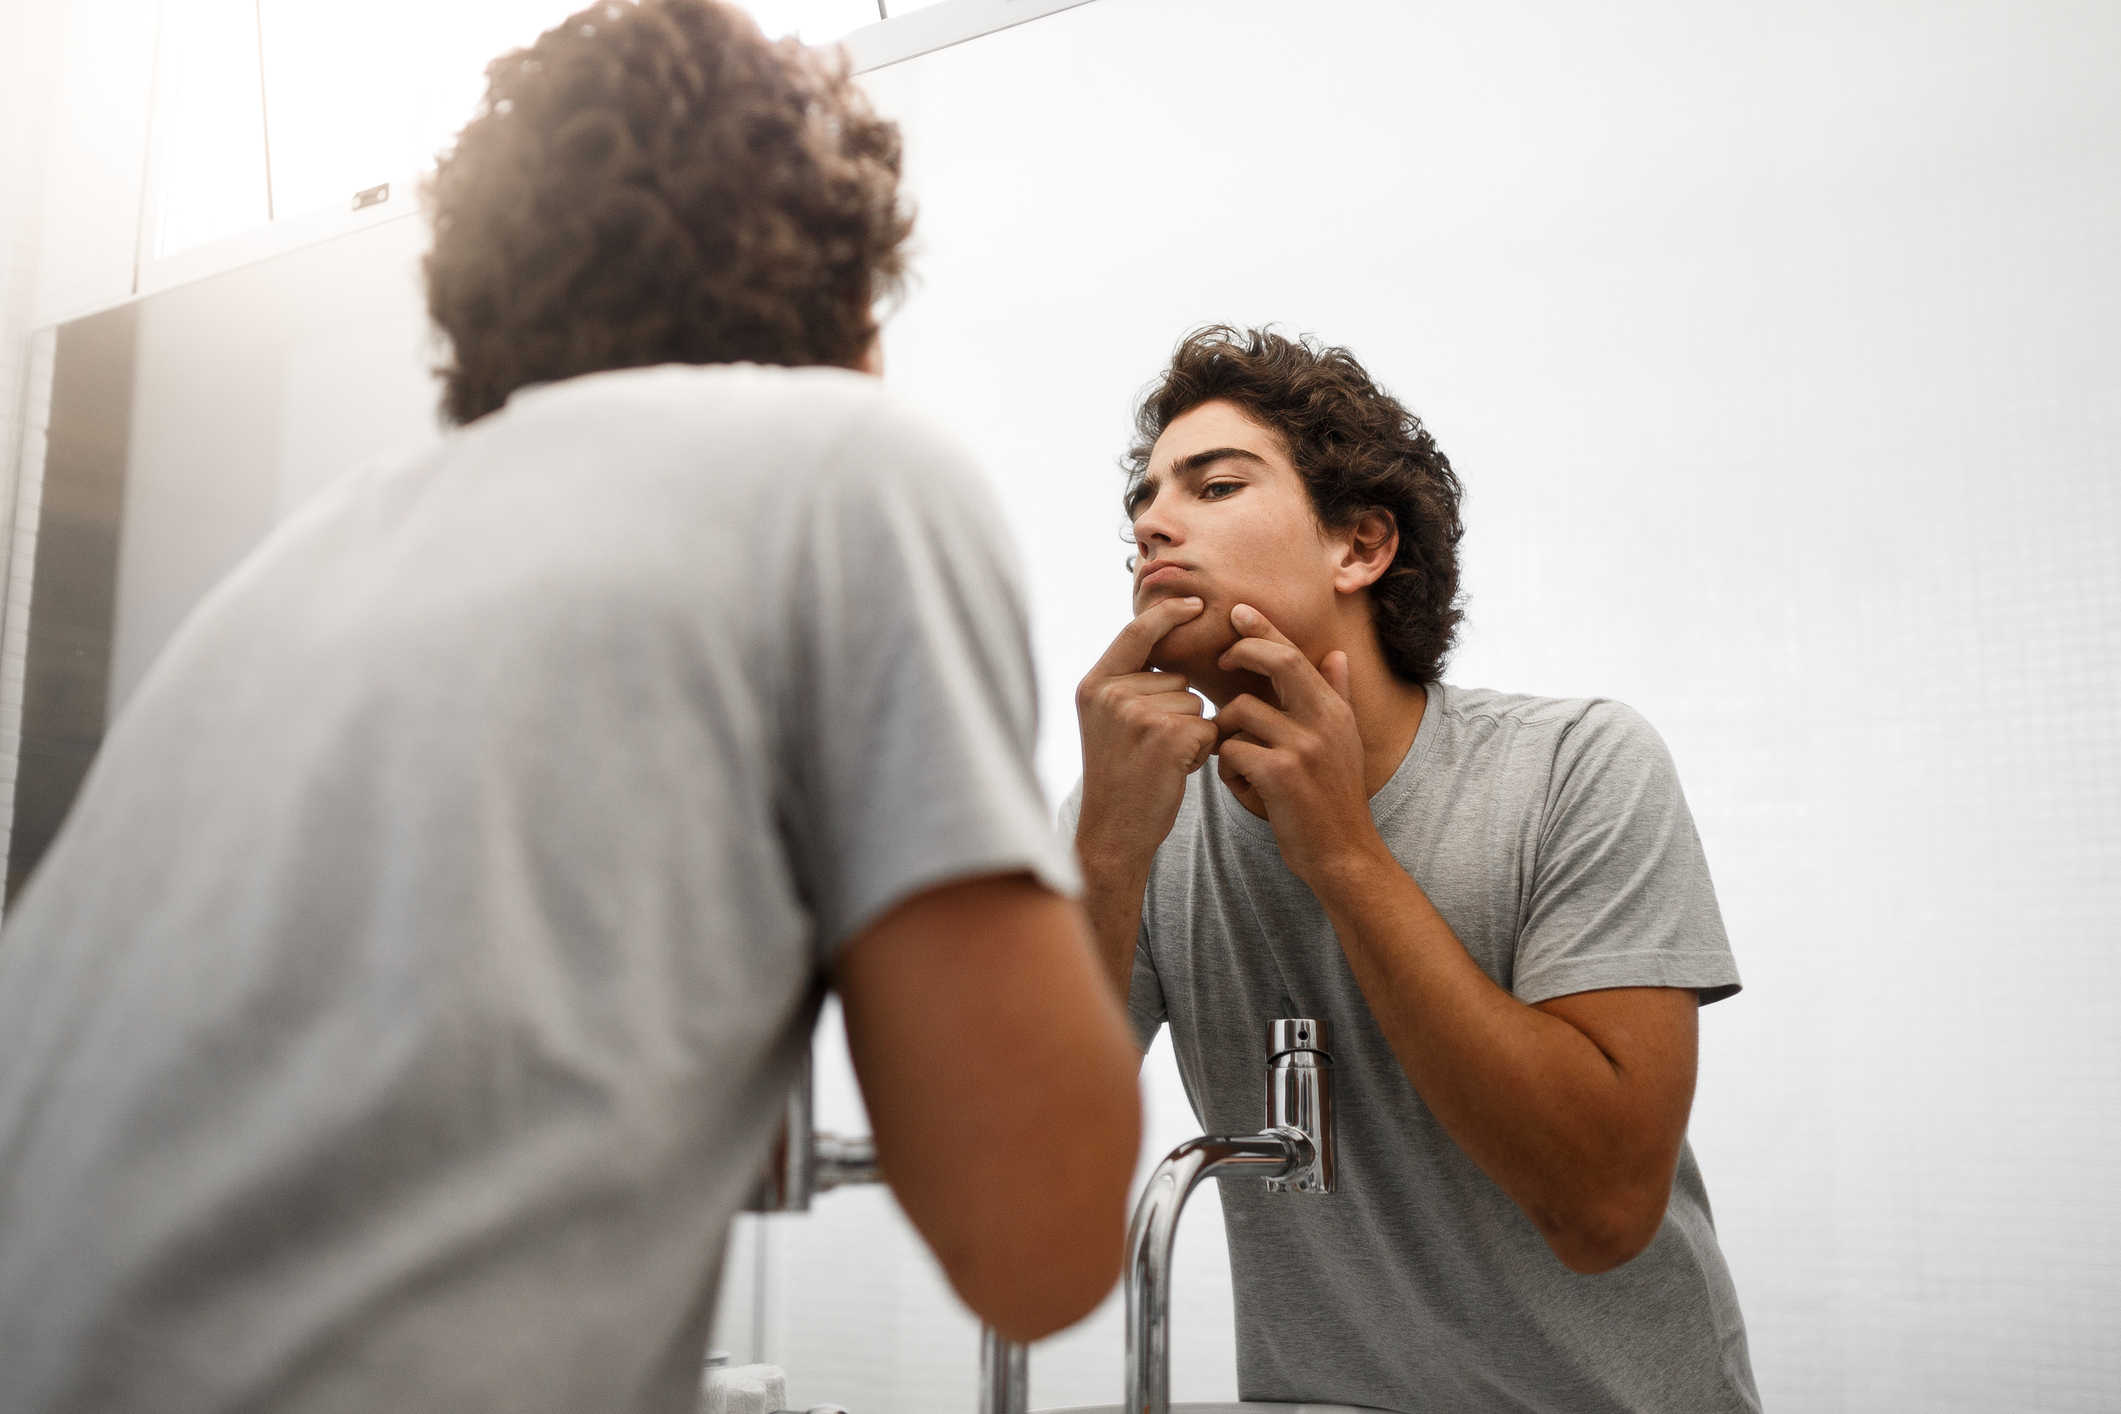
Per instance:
(659,183)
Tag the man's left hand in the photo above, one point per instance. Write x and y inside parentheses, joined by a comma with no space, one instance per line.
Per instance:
(1299,764)
(1576,1107)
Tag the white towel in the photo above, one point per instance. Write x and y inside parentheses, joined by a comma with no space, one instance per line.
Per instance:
(744,1389)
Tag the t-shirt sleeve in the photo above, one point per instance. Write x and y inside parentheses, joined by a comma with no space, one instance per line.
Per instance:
(1620,891)
(911,712)
(1145,990)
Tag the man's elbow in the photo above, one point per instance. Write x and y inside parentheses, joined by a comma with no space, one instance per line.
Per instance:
(1046,1292)
(1601,1236)
(1051,1249)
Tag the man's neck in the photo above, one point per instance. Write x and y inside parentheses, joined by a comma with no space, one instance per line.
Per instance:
(1387,715)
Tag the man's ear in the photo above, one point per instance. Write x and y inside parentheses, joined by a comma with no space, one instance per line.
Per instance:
(1366,553)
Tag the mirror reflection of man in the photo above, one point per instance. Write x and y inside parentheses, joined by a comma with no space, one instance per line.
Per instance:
(1499,903)
(406,1006)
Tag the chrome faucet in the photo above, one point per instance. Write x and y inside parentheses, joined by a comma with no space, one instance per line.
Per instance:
(1294,1153)
(804,1163)
(1004,1374)
(1300,1097)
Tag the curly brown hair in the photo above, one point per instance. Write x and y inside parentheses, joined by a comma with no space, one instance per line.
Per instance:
(659,183)
(1358,450)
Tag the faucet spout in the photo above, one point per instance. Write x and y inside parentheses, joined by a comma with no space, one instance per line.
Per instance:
(1276,1153)
(1294,1153)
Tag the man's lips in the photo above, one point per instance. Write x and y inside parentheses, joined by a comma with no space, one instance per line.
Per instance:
(1157,572)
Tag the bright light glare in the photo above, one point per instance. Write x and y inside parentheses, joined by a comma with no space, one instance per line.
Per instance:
(464,36)
(355,95)
(341,98)
(213,147)
(812,21)
(359,95)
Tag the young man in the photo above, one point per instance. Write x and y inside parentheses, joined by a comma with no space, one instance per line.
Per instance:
(406,1008)
(1498,902)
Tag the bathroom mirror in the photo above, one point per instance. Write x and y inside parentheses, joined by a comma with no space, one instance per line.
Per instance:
(1776,349)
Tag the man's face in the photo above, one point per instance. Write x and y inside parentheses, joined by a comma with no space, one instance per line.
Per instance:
(1223,514)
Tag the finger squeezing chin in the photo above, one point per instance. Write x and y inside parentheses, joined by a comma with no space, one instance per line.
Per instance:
(1258,720)
(1135,646)
(1281,663)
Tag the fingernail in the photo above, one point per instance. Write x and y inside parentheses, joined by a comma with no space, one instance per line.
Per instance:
(1190,599)
(1245,610)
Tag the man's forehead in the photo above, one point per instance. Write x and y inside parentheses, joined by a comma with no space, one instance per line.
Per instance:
(1200,434)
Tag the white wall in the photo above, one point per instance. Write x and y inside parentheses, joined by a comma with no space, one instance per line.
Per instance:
(1781,353)
(101,70)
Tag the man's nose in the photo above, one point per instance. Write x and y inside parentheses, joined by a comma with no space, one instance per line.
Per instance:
(1156,525)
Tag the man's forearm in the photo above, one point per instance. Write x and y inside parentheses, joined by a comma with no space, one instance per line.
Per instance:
(1112,896)
(1000,1093)
(1531,1098)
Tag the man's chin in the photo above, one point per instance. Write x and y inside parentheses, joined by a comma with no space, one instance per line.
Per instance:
(1193,648)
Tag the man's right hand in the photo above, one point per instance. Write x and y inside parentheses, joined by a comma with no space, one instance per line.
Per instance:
(1143,734)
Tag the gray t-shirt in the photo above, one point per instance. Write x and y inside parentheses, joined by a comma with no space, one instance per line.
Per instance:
(401,1016)
(1553,838)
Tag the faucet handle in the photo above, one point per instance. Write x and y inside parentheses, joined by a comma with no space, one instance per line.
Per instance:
(1300,1099)
(1298,1033)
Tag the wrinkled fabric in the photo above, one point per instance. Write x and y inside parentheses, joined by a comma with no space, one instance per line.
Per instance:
(404,1010)
(1553,837)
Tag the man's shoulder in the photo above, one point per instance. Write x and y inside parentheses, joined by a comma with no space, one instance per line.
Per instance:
(1545,748)
(690,390)
(1524,719)
(1487,704)
(796,415)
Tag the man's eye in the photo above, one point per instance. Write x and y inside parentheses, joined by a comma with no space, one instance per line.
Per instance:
(1215,490)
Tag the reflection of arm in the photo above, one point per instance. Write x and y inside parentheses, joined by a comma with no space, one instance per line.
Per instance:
(1575,1107)
(1123,954)
(1112,897)
(1143,735)
(1000,1080)
(1575,1103)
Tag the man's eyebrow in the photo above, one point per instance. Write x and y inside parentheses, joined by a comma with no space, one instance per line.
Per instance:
(1201,461)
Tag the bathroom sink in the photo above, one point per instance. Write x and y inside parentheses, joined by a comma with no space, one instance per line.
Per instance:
(1222,1409)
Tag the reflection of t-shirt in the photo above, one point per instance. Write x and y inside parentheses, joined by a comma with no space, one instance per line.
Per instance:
(1553,837)
(399,1019)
